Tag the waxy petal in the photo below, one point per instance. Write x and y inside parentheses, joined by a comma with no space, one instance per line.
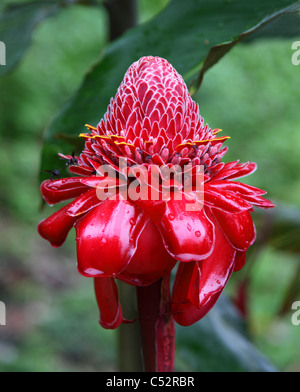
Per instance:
(108,302)
(259,201)
(107,238)
(83,203)
(81,171)
(238,228)
(188,235)
(55,229)
(198,285)
(63,189)
(151,260)
(243,170)
(233,170)
(235,186)
(225,200)
(240,260)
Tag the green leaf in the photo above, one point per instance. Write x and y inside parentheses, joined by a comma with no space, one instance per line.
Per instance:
(219,343)
(18,21)
(192,35)
(287,26)
(218,51)
(17,24)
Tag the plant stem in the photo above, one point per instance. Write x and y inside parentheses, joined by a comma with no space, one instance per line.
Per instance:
(129,342)
(157,326)
(122,16)
(165,329)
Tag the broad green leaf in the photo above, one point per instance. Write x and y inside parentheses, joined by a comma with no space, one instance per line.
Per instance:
(192,35)
(18,21)
(269,26)
(219,343)
(287,26)
(17,24)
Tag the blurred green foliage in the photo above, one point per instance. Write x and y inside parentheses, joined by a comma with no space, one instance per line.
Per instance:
(252,94)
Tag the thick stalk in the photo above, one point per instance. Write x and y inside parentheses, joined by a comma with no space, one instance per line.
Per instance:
(157,326)
(165,331)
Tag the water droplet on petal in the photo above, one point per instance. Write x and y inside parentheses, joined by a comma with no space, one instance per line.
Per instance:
(197,233)
(171,217)
(132,221)
(189,227)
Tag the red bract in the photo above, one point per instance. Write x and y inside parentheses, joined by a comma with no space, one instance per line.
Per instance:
(153,122)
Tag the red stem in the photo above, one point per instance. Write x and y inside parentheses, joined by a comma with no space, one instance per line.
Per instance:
(157,326)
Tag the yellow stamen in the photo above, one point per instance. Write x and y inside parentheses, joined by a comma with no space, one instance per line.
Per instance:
(125,144)
(217,131)
(185,144)
(117,137)
(86,135)
(90,127)
(102,137)
(223,138)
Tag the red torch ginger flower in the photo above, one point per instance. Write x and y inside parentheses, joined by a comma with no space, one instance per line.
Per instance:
(153,123)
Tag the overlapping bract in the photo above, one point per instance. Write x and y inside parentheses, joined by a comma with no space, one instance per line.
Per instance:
(153,121)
